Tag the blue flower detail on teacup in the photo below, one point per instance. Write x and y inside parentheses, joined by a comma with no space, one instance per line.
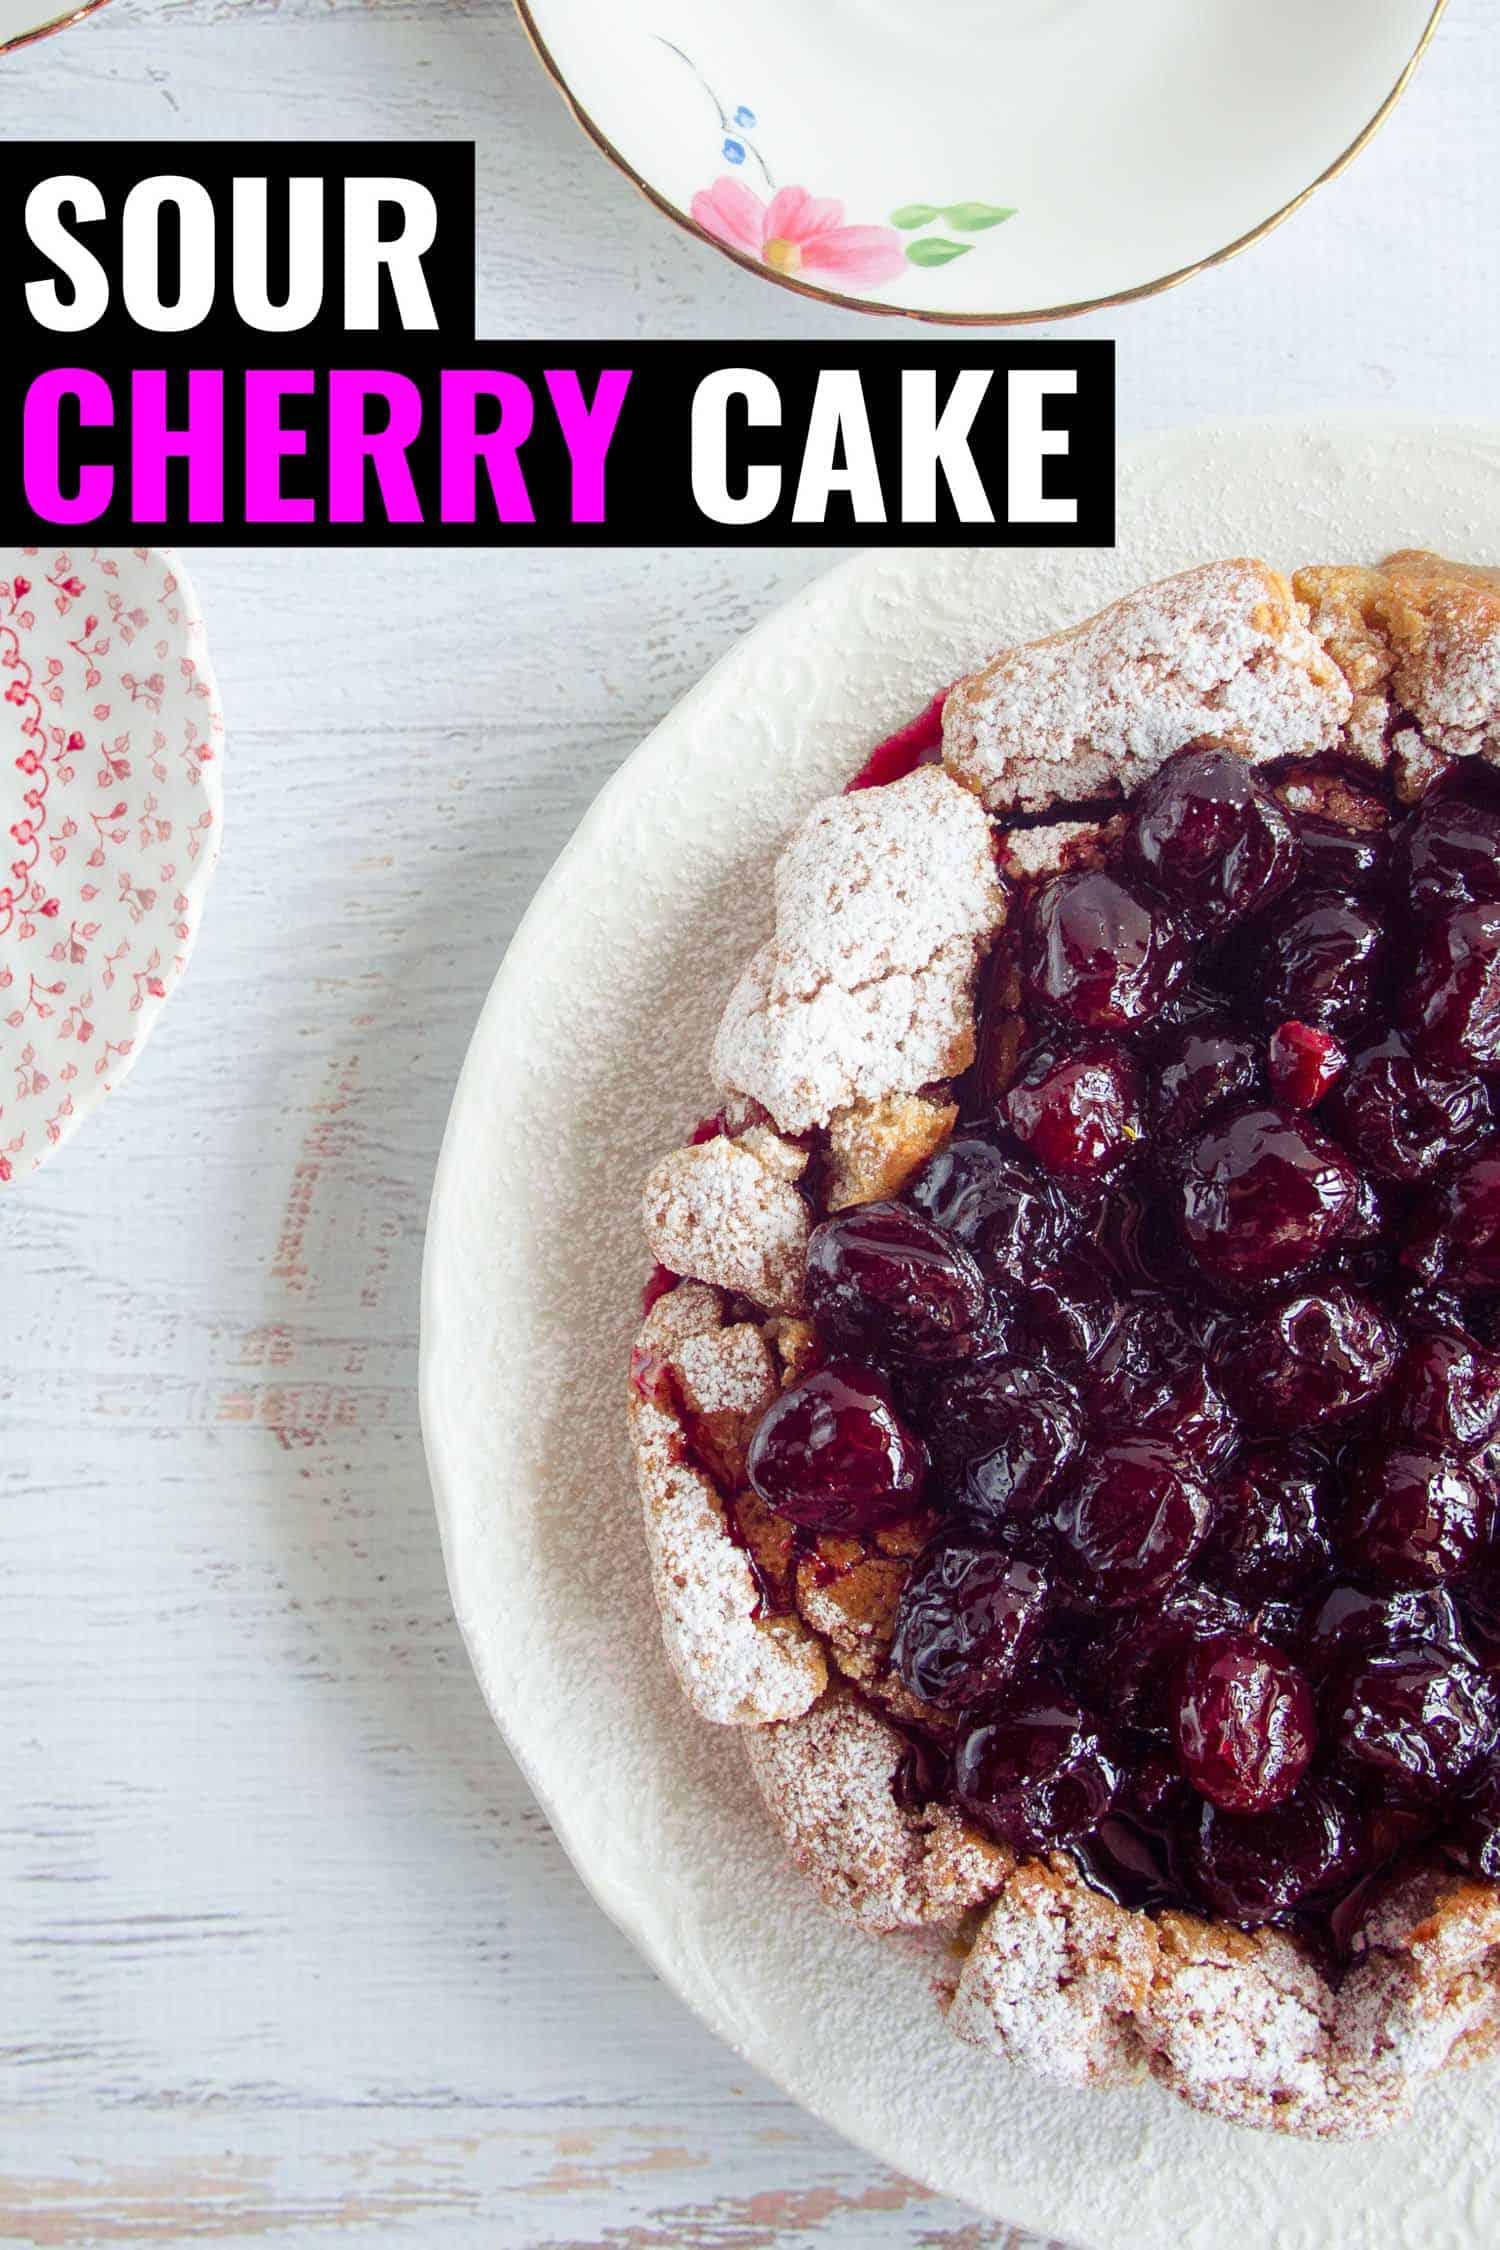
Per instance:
(734,150)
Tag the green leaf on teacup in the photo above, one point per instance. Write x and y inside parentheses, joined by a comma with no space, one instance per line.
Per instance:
(972,218)
(936,250)
(915,215)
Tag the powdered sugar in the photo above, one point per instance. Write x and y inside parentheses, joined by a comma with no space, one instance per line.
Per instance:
(883,900)
(1426,1990)
(727,1212)
(726,1371)
(1054,1980)
(807,1056)
(1452,688)
(1221,651)
(882,881)
(1028,852)
(1419,636)
(1238,2024)
(826,1779)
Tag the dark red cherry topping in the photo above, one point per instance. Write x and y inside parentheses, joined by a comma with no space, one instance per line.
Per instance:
(1450,999)
(1196,1068)
(1244,1722)
(1343,861)
(1267,1541)
(1099,952)
(978,1187)
(1136,1241)
(1265,1866)
(1208,832)
(1130,1669)
(1080,1112)
(1414,1517)
(1445,1394)
(1303,1064)
(1070,1308)
(1413,1721)
(885,1281)
(1128,1523)
(832,1453)
(1197,1319)
(1350,1619)
(1262,1194)
(1035,1773)
(1150,1379)
(1199,999)
(1315,1353)
(1449,855)
(1004,1433)
(1454,1235)
(1319,963)
(1372,1230)
(1477,1598)
(1136,1854)
(969,1615)
(1403,1117)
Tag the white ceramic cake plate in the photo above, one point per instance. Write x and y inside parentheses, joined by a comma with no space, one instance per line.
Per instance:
(980,160)
(589,1059)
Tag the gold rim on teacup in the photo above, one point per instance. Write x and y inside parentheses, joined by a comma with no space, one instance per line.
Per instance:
(52,25)
(837,297)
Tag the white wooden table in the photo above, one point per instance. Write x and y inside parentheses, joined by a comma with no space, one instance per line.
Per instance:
(289,1955)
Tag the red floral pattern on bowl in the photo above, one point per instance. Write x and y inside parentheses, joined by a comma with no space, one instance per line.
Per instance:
(110,806)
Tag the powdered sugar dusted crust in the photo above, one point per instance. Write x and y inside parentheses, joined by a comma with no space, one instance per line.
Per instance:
(842,1032)
(1046,850)
(1418,637)
(1222,652)
(737,1668)
(883,902)
(826,1779)
(1240,2023)
(728,1212)
(1056,1978)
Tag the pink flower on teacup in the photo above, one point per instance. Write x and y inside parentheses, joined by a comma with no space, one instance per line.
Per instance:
(797,233)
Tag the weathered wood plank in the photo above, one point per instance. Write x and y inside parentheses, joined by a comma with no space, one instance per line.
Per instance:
(579,2181)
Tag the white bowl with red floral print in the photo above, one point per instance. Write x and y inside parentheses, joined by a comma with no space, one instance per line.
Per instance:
(979,159)
(110,811)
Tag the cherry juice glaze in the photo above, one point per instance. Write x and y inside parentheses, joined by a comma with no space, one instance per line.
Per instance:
(919,743)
